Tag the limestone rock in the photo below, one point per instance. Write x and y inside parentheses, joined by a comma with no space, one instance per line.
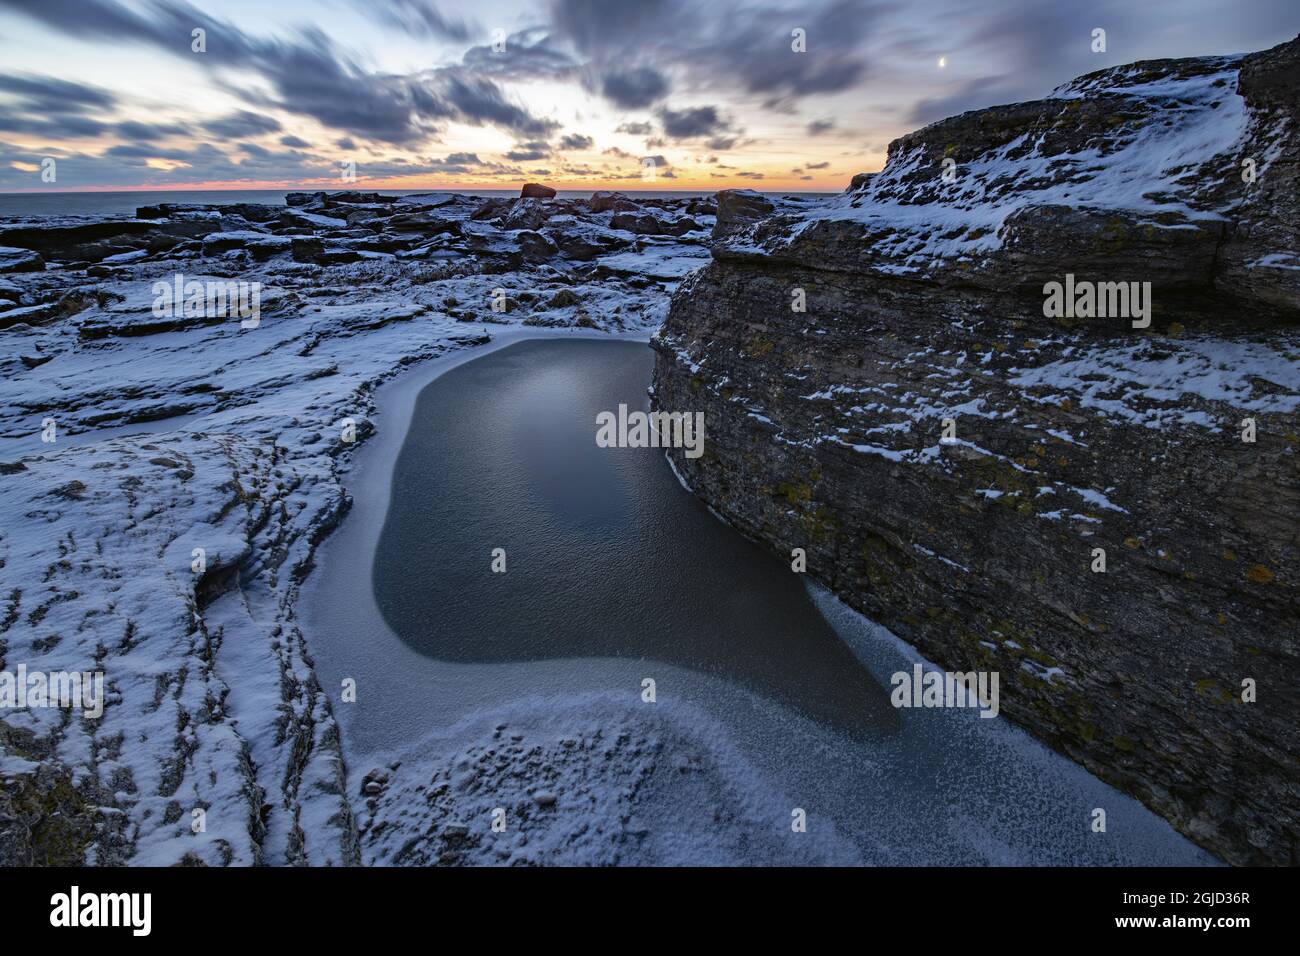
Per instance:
(924,304)
(20,260)
(738,208)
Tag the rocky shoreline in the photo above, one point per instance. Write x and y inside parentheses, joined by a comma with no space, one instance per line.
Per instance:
(179,431)
(951,458)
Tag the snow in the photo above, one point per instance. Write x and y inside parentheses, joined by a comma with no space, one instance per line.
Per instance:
(1098,499)
(656,786)
(1276,260)
(1150,383)
(915,221)
(230,440)
(1004,803)
(647,263)
(948,561)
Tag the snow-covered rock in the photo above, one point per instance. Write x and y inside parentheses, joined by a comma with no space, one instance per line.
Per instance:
(20,260)
(166,477)
(887,389)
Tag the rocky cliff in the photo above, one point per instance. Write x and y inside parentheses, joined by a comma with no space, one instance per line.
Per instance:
(1098,504)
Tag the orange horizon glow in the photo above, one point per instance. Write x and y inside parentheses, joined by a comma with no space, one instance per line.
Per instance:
(332,184)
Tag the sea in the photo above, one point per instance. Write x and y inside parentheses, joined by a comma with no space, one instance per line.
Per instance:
(125,203)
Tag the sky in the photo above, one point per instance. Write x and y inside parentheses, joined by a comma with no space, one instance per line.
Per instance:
(578,94)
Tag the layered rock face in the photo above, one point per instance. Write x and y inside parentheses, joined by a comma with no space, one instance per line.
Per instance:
(1101,509)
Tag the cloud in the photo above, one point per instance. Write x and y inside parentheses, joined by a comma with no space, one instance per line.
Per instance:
(419,17)
(131,129)
(528,55)
(456,163)
(973,94)
(39,105)
(638,56)
(597,27)
(128,164)
(481,101)
(692,122)
(141,151)
(308,75)
(761,59)
(634,89)
(528,152)
(242,123)
(635,129)
(56,127)
(728,46)
(45,94)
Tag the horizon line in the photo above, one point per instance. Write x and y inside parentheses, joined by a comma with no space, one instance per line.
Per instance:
(458,189)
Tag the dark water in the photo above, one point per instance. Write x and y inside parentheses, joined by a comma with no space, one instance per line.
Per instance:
(607,554)
(124,203)
(616,572)
(105,203)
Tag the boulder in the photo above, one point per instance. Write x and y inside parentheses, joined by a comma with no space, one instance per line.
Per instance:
(605,202)
(166,210)
(585,245)
(536,191)
(858,182)
(648,224)
(423,224)
(534,245)
(738,208)
(702,206)
(344,197)
(337,256)
(526,214)
(58,238)
(259,245)
(307,249)
(492,209)
(13,259)
(45,312)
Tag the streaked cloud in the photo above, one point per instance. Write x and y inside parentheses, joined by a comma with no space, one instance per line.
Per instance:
(710,91)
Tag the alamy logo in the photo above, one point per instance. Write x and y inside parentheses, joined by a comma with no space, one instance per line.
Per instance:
(103,909)
(22,688)
(1098,300)
(212,299)
(651,430)
(946,689)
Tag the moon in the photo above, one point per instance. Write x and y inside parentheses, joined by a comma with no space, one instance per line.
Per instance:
(943,61)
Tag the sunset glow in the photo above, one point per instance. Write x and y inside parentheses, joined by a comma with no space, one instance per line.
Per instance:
(466,95)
